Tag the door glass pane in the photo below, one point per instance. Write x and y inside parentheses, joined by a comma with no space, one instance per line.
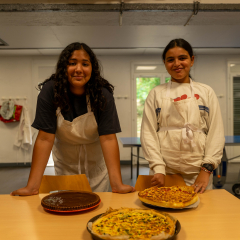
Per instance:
(144,85)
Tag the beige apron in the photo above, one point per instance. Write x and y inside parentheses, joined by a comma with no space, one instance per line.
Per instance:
(77,150)
(181,139)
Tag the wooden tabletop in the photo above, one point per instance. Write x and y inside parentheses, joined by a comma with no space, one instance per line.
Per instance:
(23,218)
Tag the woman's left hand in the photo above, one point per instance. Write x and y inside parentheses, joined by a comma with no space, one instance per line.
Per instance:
(123,188)
(201,182)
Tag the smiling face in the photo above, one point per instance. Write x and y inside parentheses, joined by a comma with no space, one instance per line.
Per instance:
(178,64)
(79,71)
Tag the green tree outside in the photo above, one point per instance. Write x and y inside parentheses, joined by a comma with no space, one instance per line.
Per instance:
(144,85)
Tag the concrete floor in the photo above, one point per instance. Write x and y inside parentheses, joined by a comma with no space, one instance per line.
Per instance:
(12,178)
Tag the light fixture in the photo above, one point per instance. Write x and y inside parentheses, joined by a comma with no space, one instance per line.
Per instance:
(232,65)
(146,67)
(2,43)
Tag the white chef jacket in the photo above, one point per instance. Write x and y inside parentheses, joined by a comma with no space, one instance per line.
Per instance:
(211,123)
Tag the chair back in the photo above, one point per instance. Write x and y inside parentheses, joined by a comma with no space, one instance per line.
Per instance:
(144,181)
(64,182)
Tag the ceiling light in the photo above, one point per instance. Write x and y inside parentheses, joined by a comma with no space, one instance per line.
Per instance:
(232,65)
(2,43)
(146,67)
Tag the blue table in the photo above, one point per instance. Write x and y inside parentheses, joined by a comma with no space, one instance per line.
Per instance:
(135,142)
(132,142)
(232,140)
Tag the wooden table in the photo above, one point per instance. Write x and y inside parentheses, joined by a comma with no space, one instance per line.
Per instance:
(23,218)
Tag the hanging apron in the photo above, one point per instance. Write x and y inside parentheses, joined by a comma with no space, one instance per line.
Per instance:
(181,139)
(77,150)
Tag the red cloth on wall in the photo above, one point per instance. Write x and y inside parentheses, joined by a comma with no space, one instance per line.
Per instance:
(16,115)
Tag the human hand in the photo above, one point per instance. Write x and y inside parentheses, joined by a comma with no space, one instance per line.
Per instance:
(123,188)
(24,192)
(201,182)
(158,180)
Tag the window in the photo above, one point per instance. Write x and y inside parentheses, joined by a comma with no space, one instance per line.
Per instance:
(233,120)
(236,105)
(143,86)
(145,78)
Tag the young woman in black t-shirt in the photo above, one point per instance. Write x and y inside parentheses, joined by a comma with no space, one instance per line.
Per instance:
(77,121)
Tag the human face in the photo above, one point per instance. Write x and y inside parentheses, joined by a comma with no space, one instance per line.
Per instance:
(178,64)
(79,71)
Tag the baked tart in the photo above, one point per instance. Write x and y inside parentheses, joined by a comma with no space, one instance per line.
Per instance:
(70,201)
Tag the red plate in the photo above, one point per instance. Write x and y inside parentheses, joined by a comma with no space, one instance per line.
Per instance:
(78,210)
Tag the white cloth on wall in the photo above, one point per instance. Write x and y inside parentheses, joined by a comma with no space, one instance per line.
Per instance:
(24,134)
(7,109)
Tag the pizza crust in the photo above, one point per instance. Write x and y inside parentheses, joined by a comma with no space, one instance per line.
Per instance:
(114,212)
(170,203)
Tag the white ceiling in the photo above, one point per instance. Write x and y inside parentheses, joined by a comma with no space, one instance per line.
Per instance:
(47,33)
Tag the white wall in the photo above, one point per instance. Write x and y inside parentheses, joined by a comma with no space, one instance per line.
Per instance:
(16,79)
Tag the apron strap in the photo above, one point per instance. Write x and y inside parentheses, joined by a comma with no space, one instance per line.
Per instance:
(191,85)
(83,162)
(187,132)
(169,87)
(88,103)
(58,111)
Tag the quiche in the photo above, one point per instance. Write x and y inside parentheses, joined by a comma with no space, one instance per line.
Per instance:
(169,197)
(131,223)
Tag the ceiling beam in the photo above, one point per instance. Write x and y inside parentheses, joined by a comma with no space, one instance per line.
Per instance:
(116,7)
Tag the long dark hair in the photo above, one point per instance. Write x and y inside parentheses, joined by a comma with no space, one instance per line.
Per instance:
(178,42)
(93,87)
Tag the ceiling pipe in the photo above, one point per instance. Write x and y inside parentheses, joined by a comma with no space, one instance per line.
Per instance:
(196,5)
(138,7)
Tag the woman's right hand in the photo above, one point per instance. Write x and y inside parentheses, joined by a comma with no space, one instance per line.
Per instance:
(24,192)
(158,180)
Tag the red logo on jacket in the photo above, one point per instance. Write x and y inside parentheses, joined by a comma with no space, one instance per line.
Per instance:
(184,96)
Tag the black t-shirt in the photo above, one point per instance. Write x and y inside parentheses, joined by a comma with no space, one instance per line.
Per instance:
(46,119)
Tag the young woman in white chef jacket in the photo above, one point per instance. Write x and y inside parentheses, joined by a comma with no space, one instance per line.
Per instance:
(77,119)
(182,129)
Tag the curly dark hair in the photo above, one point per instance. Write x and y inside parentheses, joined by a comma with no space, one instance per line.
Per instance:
(93,87)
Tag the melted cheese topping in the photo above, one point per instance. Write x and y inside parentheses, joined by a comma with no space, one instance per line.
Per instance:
(137,225)
(168,194)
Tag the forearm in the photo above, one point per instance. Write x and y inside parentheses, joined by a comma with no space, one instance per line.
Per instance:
(41,153)
(111,155)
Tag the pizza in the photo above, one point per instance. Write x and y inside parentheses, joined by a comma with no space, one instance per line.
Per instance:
(131,223)
(169,197)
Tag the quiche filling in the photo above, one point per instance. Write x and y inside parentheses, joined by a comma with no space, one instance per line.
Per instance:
(142,224)
(170,197)
(174,194)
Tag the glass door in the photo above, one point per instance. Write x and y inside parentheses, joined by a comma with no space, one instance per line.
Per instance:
(143,86)
(144,83)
